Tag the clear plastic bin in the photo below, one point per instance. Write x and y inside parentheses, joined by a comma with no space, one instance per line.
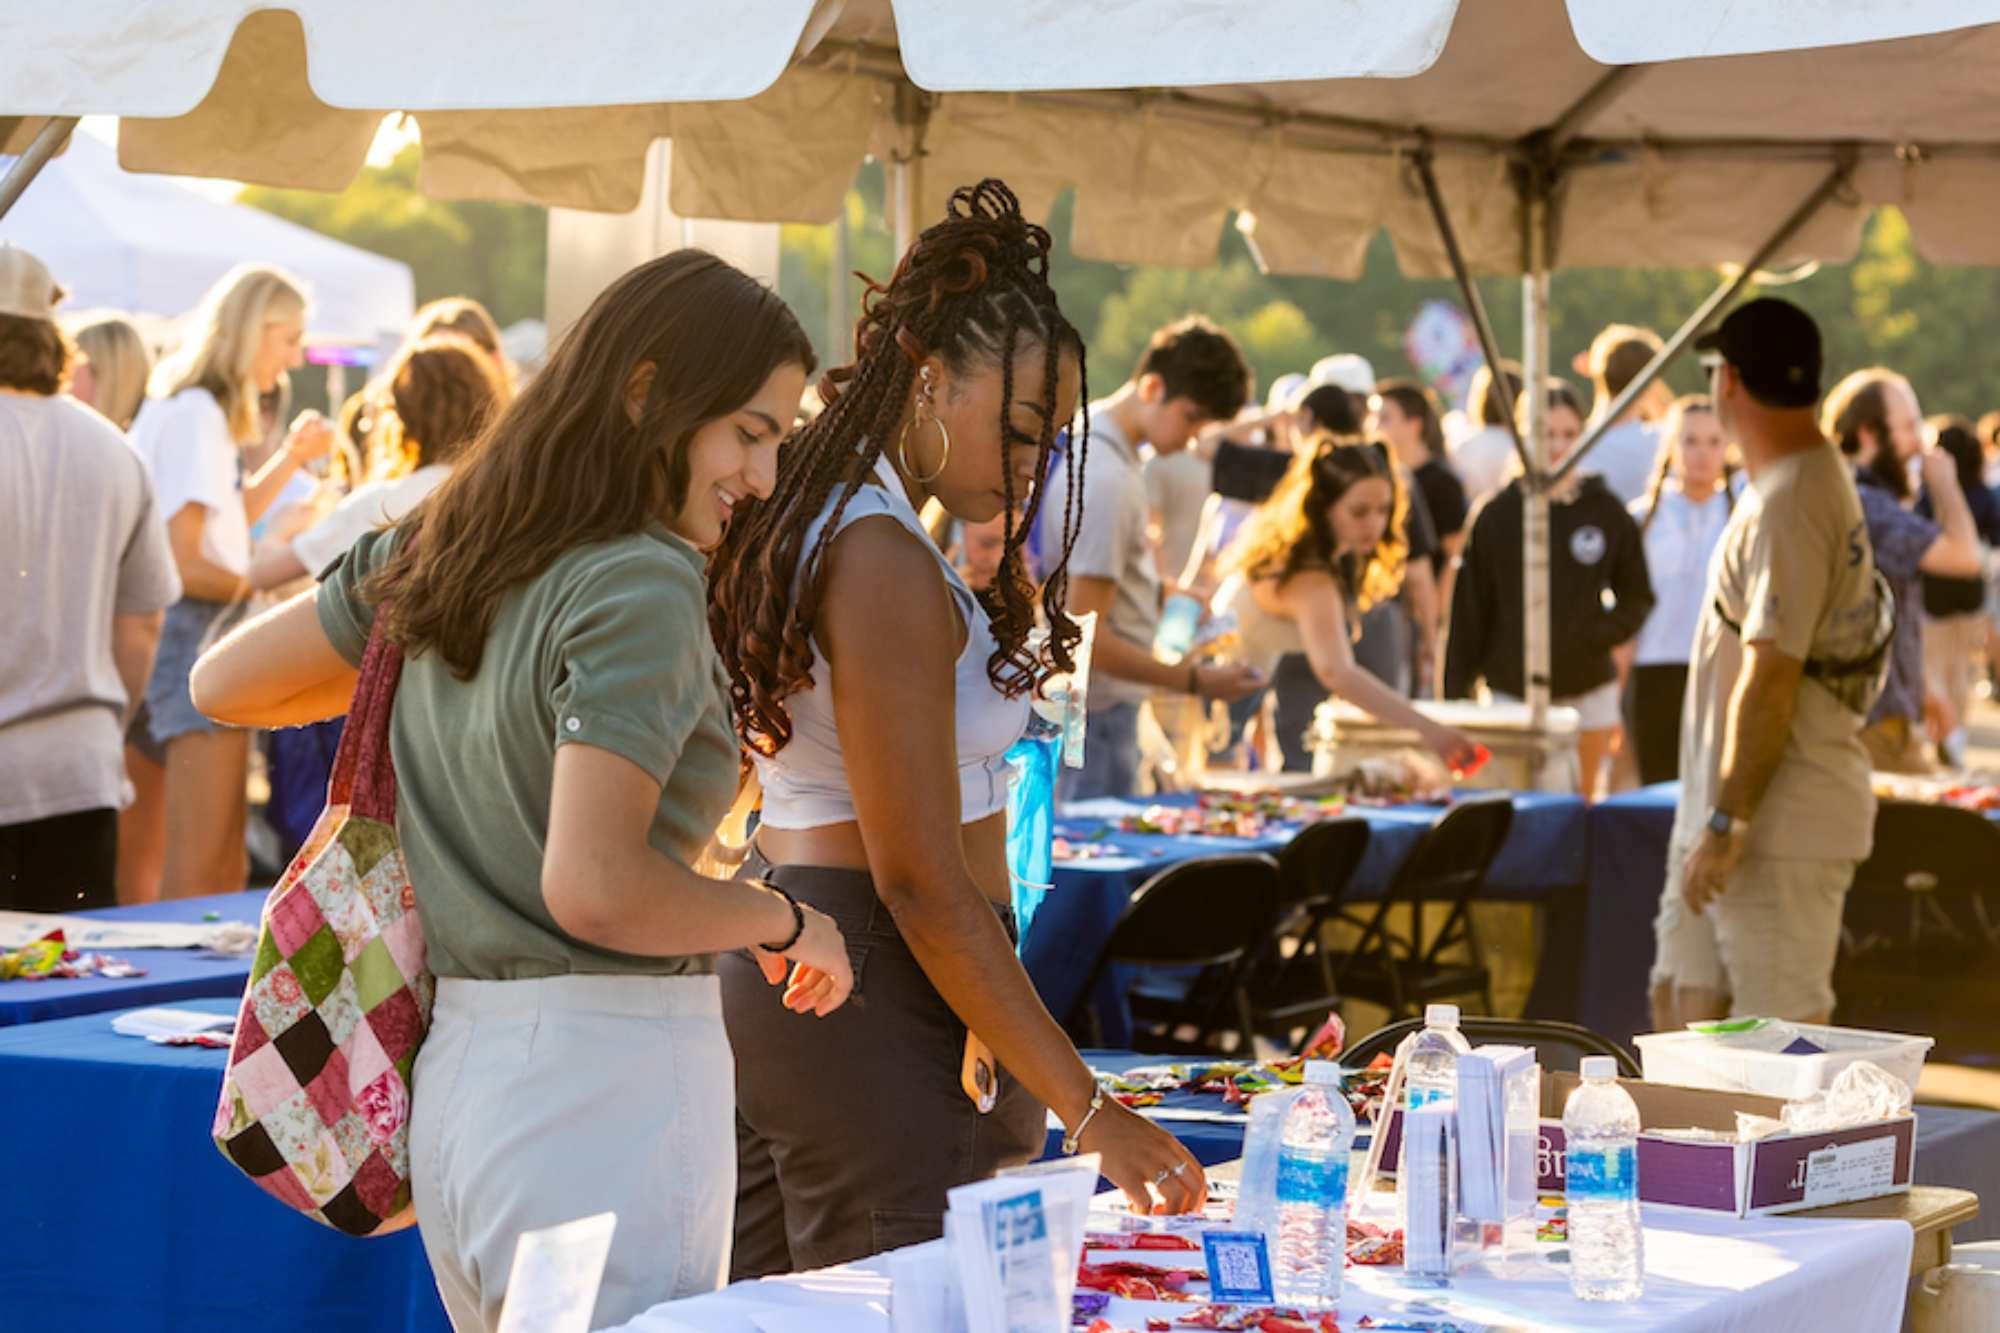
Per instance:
(1756,1061)
(1524,759)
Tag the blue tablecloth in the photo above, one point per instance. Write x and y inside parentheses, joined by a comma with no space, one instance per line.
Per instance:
(124,1216)
(1544,855)
(172,975)
(1628,865)
(1216,1137)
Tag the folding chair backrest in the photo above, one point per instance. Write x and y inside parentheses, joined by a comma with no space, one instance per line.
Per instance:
(1447,867)
(1450,860)
(1198,913)
(1315,867)
(1922,848)
(1558,1046)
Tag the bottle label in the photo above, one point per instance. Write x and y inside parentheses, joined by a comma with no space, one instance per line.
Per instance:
(1609,1174)
(1319,1179)
(1425,1096)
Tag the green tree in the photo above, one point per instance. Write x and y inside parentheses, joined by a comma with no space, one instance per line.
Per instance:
(495,253)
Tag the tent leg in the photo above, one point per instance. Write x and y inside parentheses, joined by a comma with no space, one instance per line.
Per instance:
(838,328)
(907,169)
(1835,181)
(1489,346)
(48,141)
(1535,510)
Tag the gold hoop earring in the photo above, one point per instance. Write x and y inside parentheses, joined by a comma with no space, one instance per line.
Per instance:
(903,452)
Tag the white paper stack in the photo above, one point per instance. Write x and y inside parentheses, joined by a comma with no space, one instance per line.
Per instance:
(170,1023)
(1014,1243)
(1429,1212)
(1499,1100)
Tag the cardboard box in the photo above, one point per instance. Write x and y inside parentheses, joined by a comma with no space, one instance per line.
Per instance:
(1781,1173)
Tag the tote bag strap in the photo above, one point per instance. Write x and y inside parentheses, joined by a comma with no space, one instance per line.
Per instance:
(364,776)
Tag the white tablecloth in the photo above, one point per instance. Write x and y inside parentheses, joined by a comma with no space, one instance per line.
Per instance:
(1704,1274)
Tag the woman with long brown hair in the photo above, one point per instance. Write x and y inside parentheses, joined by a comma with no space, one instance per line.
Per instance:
(1323,549)
(877,695)
(563,753)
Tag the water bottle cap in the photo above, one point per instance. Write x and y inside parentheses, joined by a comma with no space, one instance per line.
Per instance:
(1441,1016)
(1599,1067)
(1323,1072)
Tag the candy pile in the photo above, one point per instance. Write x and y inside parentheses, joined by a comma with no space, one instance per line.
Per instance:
(1372,1245)
(1402,778)
(1214,815)
(1084,850)
(1261,1319)
(1972,798)
(51,957)
(1978,792)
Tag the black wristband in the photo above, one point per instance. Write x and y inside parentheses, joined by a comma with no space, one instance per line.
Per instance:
(798,919)
(1194,680)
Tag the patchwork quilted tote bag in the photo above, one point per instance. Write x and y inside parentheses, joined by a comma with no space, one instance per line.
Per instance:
(315,1106)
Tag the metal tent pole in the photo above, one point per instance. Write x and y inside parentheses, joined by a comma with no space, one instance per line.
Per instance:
(1535,507)
(906,186)
(48,141)
(839,329)
(1489,346)
(1835,181)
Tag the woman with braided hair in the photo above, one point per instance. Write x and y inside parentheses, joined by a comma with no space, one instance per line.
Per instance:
(877,696)
(563,752)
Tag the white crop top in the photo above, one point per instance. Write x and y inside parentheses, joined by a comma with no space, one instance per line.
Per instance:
(805,786)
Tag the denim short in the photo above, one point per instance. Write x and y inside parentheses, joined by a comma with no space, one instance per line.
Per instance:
(191,625)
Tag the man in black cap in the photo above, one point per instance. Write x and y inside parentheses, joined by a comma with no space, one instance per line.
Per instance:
(1776,809)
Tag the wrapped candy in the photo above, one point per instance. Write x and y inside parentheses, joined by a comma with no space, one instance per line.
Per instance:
(37,959)
(1329,1041)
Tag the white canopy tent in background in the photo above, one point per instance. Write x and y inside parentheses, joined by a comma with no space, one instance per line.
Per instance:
(120,240)
(1496,136)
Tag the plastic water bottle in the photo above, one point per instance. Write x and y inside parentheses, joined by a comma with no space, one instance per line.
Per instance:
(1175,635)
(1257,1186)
(1431,1071)
(1601,1134)
(1312,1191)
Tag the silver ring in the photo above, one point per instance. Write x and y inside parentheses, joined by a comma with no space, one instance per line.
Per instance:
(1161,1179)
(1180,1168)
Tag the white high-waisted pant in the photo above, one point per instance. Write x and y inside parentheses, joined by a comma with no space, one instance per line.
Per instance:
(541,1101)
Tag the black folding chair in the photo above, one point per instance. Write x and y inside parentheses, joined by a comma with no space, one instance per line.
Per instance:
(1559,1046)
(1208,914)
(1447,867)
(1290,981)
(1930,863)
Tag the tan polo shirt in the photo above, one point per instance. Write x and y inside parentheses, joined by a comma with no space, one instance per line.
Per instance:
(1794,567)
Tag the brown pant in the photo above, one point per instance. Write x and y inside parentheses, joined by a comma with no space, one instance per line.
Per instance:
(850,1128)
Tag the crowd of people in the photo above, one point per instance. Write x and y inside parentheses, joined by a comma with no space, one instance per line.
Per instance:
(651,587)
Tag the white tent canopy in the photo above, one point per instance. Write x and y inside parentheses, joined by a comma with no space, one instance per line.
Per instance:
(1508,136)
(1678,134)
(146,245)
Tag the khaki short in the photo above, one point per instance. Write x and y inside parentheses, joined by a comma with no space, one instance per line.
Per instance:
(1768,943)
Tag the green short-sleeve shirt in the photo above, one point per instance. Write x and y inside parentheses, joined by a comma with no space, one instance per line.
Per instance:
(608,646)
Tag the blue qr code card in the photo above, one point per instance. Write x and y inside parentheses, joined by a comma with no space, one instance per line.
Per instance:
(1239,1267)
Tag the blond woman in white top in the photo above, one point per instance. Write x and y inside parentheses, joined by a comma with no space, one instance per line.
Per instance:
(204,411)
